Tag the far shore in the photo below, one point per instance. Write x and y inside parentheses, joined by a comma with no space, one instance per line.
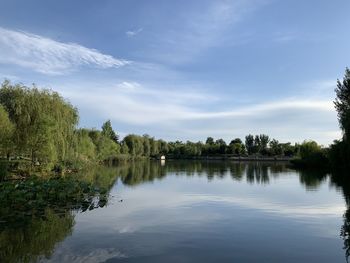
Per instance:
(233,158)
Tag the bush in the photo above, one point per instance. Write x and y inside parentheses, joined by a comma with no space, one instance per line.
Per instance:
(312,155)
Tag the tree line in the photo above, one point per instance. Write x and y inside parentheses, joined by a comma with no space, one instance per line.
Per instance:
(40,126)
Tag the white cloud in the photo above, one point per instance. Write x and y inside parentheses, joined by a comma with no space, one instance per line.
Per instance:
(133,33)
(180,113)
(48,56)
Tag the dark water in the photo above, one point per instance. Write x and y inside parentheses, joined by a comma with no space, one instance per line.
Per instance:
(195,212)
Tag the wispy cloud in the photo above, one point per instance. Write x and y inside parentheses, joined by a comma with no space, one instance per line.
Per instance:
(133,33)
(48,56)
(201,28)
(184,114)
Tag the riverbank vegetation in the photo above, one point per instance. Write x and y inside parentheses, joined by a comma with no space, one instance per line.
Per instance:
(39,134)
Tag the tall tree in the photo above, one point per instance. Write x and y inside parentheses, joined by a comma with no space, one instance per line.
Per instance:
(264,141)
(249,143)
(342,103)
(257,144)
(108,131)
(210,141)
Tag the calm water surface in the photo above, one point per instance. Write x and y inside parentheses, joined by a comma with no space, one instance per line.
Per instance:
(197,212)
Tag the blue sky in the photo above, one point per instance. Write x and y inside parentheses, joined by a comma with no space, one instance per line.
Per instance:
(185,69)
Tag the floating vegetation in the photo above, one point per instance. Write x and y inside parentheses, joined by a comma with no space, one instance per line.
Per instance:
(23,200)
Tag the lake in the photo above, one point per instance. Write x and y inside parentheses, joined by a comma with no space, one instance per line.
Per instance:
(191,211)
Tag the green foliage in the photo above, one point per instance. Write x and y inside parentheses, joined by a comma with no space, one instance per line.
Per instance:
(312,155)
(342,103)
(209,141)
(124,148)
(249,143)
(84,148)
(264,141)
(276,147)
(339,154)
(163,147)
(3,170)
(135,144)
(41,126)
(6,132)
(257,144)
(309,148)
(108,131)
(154,147)
(236,147)
(146,145)
(106,148)
(37,239)
(44,122)
(33,196)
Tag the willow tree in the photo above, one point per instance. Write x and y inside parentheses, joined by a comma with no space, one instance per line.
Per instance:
(135,144)
(44,121)
(6,130)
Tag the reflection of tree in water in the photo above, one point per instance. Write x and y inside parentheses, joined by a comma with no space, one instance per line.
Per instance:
(38,236)
(343,182)
(258,173)
(134,173)
(40,213)
(37,239)
(312,179)
(237,171)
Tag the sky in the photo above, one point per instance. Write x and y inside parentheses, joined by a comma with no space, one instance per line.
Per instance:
(185,70)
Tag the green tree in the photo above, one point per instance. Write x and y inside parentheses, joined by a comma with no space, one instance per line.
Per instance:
(84,147)
(340,150)
(44,122)
(275,147)
(210,141)
(124,148)
(257,144)
(236,147)
(164,147)
(108,131)
(264,141)
(6,131)
(249,143)
(312,155)
(309,148)
(221,146)
(106,148)
(146,145)
(154,147)
(342,103)
(237,140)
(135,144)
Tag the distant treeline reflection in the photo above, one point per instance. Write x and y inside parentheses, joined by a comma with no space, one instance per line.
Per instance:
(37,236)
(134,173)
